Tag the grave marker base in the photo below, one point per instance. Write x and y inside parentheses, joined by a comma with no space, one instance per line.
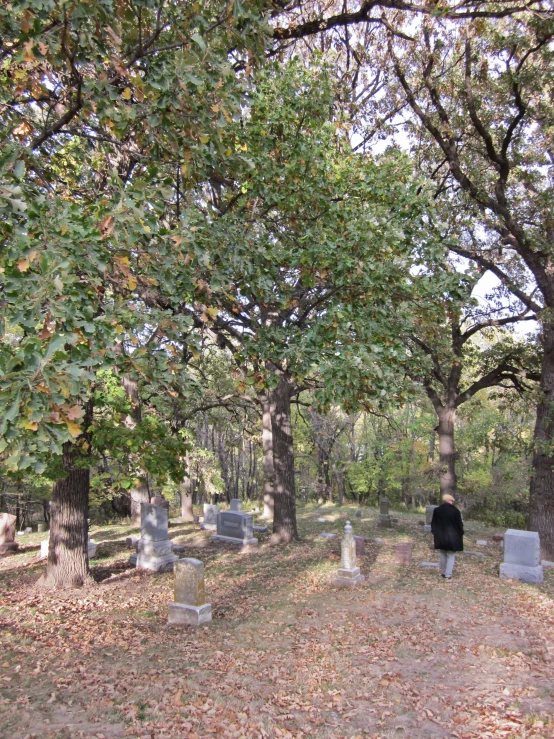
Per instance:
(348,578)
(232,540)
(181,614)
(521,572)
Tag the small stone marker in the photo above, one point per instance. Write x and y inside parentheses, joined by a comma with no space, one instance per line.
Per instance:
(189,607)
(360,545)
(385,520)
(92,548)
(235,505)
(28,530)
(322,520)
(154,548)
(522,556)
(131,542)
(429,516)
(211,513)
(44,549)
(429,564)
(348,574)
(235,527)
(475,554)
(7,534)
(325,535)
(403,554)
(482,543)
(42,527)
(358,514)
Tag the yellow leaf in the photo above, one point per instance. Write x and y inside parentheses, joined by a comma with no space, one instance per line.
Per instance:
(132,282)
(204,138)
(23,264)
(126,94)
(74,429)
(213,312)
(43,48)
(31,426)
(28,55)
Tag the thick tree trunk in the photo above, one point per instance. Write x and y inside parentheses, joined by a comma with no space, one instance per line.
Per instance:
(541,492)
(284,518)
(445,430)
(187,514)
(269,474)
(139,494)
(67,565)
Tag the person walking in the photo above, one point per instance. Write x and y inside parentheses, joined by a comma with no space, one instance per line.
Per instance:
(448,532)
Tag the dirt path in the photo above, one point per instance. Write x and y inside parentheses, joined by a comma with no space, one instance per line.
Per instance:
(287,655)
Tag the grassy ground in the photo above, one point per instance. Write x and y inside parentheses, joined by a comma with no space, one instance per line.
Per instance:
(406,654)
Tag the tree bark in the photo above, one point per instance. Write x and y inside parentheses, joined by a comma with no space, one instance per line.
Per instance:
(284,518)
(541,490)
(187,513)
(269,473)
(139,494)
(447,470)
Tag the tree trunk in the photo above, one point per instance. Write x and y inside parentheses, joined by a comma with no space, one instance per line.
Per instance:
(269,474)
(445,430)
(284,518)
(541,491)
(187,514)
(139,494)
(67,565)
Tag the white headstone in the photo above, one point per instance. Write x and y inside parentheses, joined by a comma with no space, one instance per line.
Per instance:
(348,573)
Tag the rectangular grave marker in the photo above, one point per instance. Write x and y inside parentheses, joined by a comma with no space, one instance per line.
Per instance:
(522,556)
(189,607)
(235,528)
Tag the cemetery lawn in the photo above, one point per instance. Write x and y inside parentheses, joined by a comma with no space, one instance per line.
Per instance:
(405,654)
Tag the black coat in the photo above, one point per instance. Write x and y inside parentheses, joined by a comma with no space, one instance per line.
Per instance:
(448,528)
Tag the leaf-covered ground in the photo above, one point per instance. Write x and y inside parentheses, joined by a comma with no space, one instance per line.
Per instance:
(406,654)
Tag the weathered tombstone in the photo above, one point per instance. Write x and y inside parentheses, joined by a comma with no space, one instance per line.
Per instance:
(41,527)
(92,548)
(44,549)
(358,514)
(360,545)
(131,542)
(235,505)
(28,530)
(7,534)
(348,574)
(403,554)
(154,548)
(235,527)
(189,607)
(385,520)
(522,556)
(429,516)
(482,543)
(210,517)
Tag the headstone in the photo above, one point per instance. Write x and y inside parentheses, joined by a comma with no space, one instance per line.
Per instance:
(360,546)
(41,527)
(385,520)
(189,607)
(322,520)
(28,530)
(358,514)
(403,554)
(210,517)
(235,505)
(154,548)
(522,556)
(429,516)
(44,549)
(7,534)
(92,548)
(131,542)
(482,543)
(326,535)
(348,574)
(235,527)
(159,501)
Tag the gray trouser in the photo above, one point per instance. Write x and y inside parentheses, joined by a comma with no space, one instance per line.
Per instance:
(447,562)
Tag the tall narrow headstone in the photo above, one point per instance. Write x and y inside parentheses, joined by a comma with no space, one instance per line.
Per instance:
(385,520)
(429,509)
(154,548)
(235,505)
(8,544)
(348,574)
(522,556)
(189,607)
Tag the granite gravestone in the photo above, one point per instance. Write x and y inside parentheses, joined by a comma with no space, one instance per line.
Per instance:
(7,533)
(189,607)
(235,505)
(348,574)
(211,513)
(429,516)
(522,556)
(154,548)
(385,520)
(235,528)
(403,554)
